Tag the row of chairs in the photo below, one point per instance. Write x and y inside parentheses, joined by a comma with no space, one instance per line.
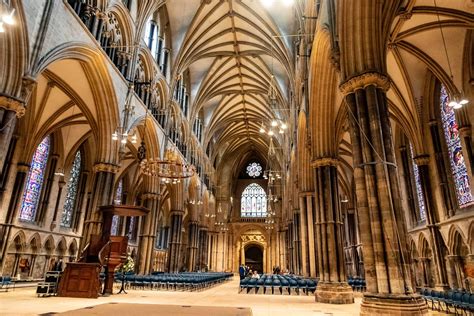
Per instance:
(174,281)
(280,283)
(447,301)
(6,282)
(357,284)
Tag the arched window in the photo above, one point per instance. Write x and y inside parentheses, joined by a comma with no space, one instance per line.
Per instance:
(34,181)
(152,31)
(72,187)
(117,201)
(418,187)
(456,158)
(253,202)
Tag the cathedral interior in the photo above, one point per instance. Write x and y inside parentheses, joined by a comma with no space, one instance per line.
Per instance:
(324,140)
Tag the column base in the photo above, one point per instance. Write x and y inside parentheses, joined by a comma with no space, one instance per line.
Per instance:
(393,304)
(334,293)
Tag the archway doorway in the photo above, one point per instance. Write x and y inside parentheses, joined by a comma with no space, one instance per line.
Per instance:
(254,258)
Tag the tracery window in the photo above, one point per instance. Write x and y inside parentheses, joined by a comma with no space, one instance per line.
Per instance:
(117,201)
(456,158)
(34,181)
(418,187)
(71,195)
(253,202)
(254,169)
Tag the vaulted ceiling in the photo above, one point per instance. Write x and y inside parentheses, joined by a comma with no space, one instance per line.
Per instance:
(234,50)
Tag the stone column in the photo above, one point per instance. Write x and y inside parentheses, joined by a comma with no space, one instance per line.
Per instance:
(5,229)
(61,184)
(193,242)
(432,221)
(289,247)
(297,241)
(382,226)
(175,241)
(146,243)
(304,237)
(332,287)
(101,194)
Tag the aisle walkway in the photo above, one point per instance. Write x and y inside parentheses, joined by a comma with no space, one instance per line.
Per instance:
(25,302)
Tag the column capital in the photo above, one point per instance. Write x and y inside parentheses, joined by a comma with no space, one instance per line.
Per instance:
(465,131)
(422,160)
(12,104)
(106,167)
(23,167)
(362,81)
(306,193)
(327,161)
(176,212)
(151,196)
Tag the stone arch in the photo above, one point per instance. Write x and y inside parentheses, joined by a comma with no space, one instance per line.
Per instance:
(322,112)
(125,22)
(72,250)
(456,241)
(102,88)
(34,243)
(14,57)
(19,242)
(49,245)
(61,247)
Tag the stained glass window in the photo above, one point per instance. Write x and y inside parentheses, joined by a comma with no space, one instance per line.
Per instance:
(418,187)
(132,228)
(456,158)
(72,187)
(254,169)
(117,201)
(253,202)
(34,181)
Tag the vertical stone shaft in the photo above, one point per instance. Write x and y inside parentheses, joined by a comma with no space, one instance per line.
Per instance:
(102,194)
(332,287)
(148,233)
(193,240)
(432,222)
(175,241)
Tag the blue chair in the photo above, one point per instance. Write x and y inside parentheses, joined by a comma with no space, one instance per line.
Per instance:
(252,285)
(302,284)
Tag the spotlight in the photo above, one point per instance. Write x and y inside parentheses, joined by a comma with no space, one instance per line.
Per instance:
(262,130)
(464,101)
(274,123)
(8,18)
(270,132)
(267,3)
(284,126)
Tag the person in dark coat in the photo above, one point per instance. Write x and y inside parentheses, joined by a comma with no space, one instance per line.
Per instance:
(242,271)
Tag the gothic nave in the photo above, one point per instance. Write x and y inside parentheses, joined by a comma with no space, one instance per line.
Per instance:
(324,142)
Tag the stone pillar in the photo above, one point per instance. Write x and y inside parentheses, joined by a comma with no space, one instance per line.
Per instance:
(304,237)
(193,242)
(101,194)
(382,226)
(297,241)
(201,247)
(5,229)
(175,241)
(432,221)
(332,287)
(146,243)
(61,184)
(289,247)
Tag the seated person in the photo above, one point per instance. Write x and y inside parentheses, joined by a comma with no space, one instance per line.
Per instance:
(255,275)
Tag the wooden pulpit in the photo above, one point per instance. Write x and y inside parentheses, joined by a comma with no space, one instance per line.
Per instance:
(81,279)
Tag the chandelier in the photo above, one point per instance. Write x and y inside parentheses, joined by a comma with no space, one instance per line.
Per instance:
(170,171)
(275,126)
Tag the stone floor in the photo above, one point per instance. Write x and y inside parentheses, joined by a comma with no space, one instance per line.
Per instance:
(23,301)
